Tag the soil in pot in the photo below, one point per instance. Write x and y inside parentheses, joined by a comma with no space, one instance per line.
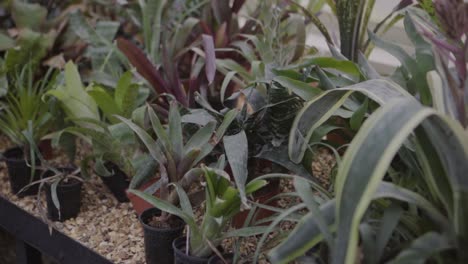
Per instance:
(19,173)
(215,259)
(117,183)
(179,245)
(69,196)
(159,236)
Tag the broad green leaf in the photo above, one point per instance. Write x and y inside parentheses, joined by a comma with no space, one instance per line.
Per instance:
(122,87)
(236,148)
(146,170)
(27,15)
(6,42)
(357,180)
(306,91)
(73,97)
(105,102)
(346,66)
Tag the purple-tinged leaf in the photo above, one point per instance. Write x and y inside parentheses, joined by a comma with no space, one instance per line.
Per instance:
(143,65)
(210,57)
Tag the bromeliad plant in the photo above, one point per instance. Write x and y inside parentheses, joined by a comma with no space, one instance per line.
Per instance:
(222,202)
(176,154)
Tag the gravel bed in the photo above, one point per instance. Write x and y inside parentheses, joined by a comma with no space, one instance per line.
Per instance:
(110,228)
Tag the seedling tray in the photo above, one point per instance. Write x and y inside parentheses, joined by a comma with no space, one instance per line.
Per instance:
(32,234)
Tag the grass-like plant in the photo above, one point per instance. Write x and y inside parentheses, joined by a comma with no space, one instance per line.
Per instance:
(23,104)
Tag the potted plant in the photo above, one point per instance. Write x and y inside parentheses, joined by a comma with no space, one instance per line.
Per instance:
(222,201)
(62,185)
(176,151)
(112,142)
(172,150)
(22,107)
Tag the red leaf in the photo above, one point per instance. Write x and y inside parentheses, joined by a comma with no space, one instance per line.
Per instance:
(143,65)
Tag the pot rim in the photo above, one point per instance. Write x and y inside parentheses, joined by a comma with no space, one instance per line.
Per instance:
(152,228)
(176,243)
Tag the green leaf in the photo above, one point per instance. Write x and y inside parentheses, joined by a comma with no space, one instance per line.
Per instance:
(319,110)
(150,144)
(184,201)
(450,141)
(358,116)
(246,231)
(160,131)
(388,224)
(28,15)
(229,117)
(422,248)
(255,185)
(73,97)
(122,89)
(225,84)
(200,138)
(236,148)
(305,192)
(358,180)
(305,235)
(175,132)
(105,102)
(146,170)
(6,42)
(344,66)
(166,207)
(305,91)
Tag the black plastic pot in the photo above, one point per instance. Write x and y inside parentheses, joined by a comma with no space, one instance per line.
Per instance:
(69,196)
(19,173)
(215,259)
(117,183)
(158,241)
(179,246)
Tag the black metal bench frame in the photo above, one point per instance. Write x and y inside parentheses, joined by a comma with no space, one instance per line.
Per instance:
(33,239)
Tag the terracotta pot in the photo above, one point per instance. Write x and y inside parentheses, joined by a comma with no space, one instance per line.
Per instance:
(45,146)
(140,205)
(261,196)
